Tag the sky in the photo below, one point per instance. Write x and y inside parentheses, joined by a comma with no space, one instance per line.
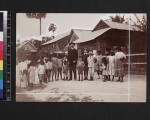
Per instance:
(27,27)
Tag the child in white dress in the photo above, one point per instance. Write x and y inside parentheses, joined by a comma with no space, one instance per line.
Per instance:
(65,68)
(37,81)
(111,66)
(90,61)
(31,72)
(24,82)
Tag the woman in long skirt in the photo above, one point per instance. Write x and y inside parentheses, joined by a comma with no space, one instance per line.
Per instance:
(37,81)
(119,69)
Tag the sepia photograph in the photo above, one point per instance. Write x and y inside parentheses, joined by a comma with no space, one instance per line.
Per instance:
(81,57)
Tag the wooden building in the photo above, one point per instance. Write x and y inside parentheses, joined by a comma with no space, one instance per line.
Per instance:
(26,50)
(108,34)
(105,34)
(56,44)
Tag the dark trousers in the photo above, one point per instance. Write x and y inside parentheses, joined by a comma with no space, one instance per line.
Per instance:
(86,72)
(72,69)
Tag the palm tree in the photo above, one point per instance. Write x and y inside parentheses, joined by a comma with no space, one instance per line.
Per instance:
(36,16)
(52,27)
(141,24)
(117,18)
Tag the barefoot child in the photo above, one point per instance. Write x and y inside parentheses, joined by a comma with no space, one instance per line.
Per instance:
(111,66)
(41,71)
(31,72)
(104,68)
(54,67)
(90,60)
(48,66)
(24,81)
(80,67)
(98,64)
(60,64)
(65,68)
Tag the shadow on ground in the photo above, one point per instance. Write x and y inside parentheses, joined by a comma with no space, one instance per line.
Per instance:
(71,98)
(25,98)
(37,87)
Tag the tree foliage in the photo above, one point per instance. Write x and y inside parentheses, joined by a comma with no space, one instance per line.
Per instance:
(117,18)
(52,27)
(142,24)
(37,16)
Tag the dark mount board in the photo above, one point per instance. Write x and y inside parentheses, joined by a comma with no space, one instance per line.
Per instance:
(89,111)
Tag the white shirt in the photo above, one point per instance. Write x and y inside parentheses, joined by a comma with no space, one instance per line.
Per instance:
(119,55)
(23,66)
(48,65)
(41,69)
(90,61)
(60,63)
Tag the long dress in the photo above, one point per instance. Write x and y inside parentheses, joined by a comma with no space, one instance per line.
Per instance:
(36,76)
(55,65)
(111,65)
(23,76)
(105,66)
(119,69)
(31,71)
(18,82)
(98,64)
(24,82)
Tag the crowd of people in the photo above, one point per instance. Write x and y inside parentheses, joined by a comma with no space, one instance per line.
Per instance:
(54,68)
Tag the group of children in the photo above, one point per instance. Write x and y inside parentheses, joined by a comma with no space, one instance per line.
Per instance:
(104,66)
(50,69)
(107,67)
(44,70)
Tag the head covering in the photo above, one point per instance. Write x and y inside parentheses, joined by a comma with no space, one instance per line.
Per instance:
(91,52)
(71,43)
(115,47)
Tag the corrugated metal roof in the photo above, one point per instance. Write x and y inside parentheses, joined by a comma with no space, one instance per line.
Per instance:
(58,37)
(91,35)
(121,26)
(88,36)
(81,32)
(25,42)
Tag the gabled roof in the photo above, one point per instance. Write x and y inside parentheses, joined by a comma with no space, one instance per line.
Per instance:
(81,32)
(121,26)
(91,35)
(24,43)
(78,34)
(58,37)
(102,27)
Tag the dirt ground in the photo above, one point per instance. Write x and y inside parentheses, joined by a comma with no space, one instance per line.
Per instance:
(133,90)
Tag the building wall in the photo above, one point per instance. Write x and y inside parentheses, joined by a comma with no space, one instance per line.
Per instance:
(60,45)
(56,46)
(138,47)
(28,47)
